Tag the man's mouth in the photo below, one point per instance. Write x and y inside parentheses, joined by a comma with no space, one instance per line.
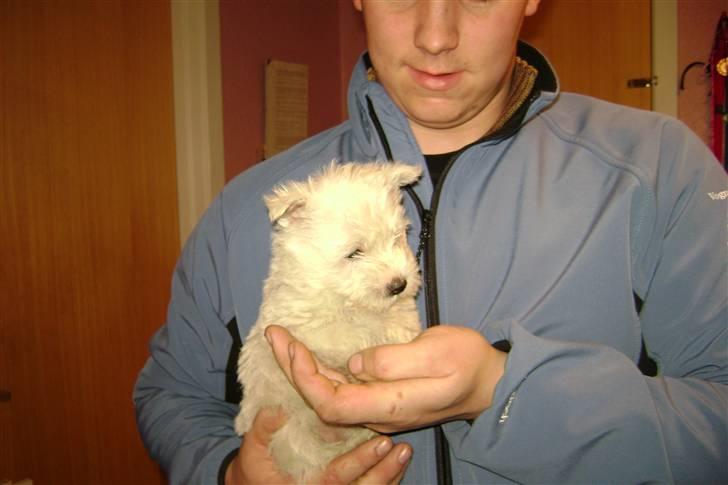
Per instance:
(435,81)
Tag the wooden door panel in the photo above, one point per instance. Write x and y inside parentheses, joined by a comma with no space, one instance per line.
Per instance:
(596,46)
(88,231)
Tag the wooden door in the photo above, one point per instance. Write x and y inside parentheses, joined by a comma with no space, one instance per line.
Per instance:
(596,46)
(88,232)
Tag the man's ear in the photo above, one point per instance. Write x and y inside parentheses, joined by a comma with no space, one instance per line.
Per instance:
(357,4)
(531,7)
(285,203)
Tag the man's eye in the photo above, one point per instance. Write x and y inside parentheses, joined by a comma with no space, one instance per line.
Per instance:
(477,5)
(355,254)
(401,4)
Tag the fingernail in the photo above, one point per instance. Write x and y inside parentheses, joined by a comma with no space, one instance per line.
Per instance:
(383,447)
(291,350)
(404,455)
(355,364)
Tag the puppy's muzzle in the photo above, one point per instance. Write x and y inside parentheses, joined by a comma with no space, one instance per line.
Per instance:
(396,286)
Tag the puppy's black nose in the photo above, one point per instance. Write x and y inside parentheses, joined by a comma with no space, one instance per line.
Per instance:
(396,286)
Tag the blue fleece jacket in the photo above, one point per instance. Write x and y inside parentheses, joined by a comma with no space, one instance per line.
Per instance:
(542,236)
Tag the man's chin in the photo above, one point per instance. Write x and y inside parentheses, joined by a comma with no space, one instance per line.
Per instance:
(438,121)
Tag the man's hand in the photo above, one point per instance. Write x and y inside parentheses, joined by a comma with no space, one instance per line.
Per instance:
(376,461)
(446,373)
(254,463)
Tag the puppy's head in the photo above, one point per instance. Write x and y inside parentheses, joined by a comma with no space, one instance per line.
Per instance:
(343,233)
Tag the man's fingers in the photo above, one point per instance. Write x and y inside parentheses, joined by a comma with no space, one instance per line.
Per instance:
(253,464)
(281,342)
(396,460)
(398,361)
(313,386)
(387,363)
(279,339)
(352,465)
(382,406)
(427,356)
(266,422)
(376,461)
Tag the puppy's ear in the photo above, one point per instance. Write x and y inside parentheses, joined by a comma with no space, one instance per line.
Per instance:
(285,204)
(402,174)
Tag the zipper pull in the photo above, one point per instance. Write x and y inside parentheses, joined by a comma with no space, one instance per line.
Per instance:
(425,232)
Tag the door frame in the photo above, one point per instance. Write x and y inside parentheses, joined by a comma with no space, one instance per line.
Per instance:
(197,109)
(664,56)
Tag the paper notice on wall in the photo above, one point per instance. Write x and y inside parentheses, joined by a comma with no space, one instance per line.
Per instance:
(286,105)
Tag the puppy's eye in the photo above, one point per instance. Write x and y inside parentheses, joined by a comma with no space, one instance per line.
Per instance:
(355,254)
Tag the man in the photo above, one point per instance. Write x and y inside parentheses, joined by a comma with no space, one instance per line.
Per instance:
(563,240)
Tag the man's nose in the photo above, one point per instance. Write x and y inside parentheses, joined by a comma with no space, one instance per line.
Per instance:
(437,25)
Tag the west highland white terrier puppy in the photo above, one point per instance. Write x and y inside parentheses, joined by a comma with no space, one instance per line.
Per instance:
(342,278)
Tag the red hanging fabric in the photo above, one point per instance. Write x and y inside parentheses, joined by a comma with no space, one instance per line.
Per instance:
(718,74)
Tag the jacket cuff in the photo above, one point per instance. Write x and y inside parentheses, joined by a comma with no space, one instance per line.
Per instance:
(224,464)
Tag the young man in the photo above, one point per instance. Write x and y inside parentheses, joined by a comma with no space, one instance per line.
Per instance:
(563,241)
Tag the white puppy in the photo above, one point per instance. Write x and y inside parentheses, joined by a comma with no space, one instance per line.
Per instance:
(342,278)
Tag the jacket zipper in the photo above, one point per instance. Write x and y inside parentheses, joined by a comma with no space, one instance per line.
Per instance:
(427,240)
(426,243)
(426,246)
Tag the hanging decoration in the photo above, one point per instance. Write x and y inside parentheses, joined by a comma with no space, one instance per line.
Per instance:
(719,77)
(717,70)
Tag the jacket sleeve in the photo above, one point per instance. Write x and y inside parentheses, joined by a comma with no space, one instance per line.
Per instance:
(580,412)
(179,396)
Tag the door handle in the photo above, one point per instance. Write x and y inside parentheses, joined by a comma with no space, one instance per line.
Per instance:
(642,82)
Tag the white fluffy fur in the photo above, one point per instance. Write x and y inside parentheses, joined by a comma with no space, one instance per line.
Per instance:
(339,241)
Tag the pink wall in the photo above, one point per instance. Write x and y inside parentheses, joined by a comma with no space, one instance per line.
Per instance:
(353,42)
(697,20)
(300,31)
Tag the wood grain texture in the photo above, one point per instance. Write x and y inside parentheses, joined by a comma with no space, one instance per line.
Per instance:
(88,231)
(596,46)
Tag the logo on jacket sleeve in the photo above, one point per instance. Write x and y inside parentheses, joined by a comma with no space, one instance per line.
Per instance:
(718,195)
